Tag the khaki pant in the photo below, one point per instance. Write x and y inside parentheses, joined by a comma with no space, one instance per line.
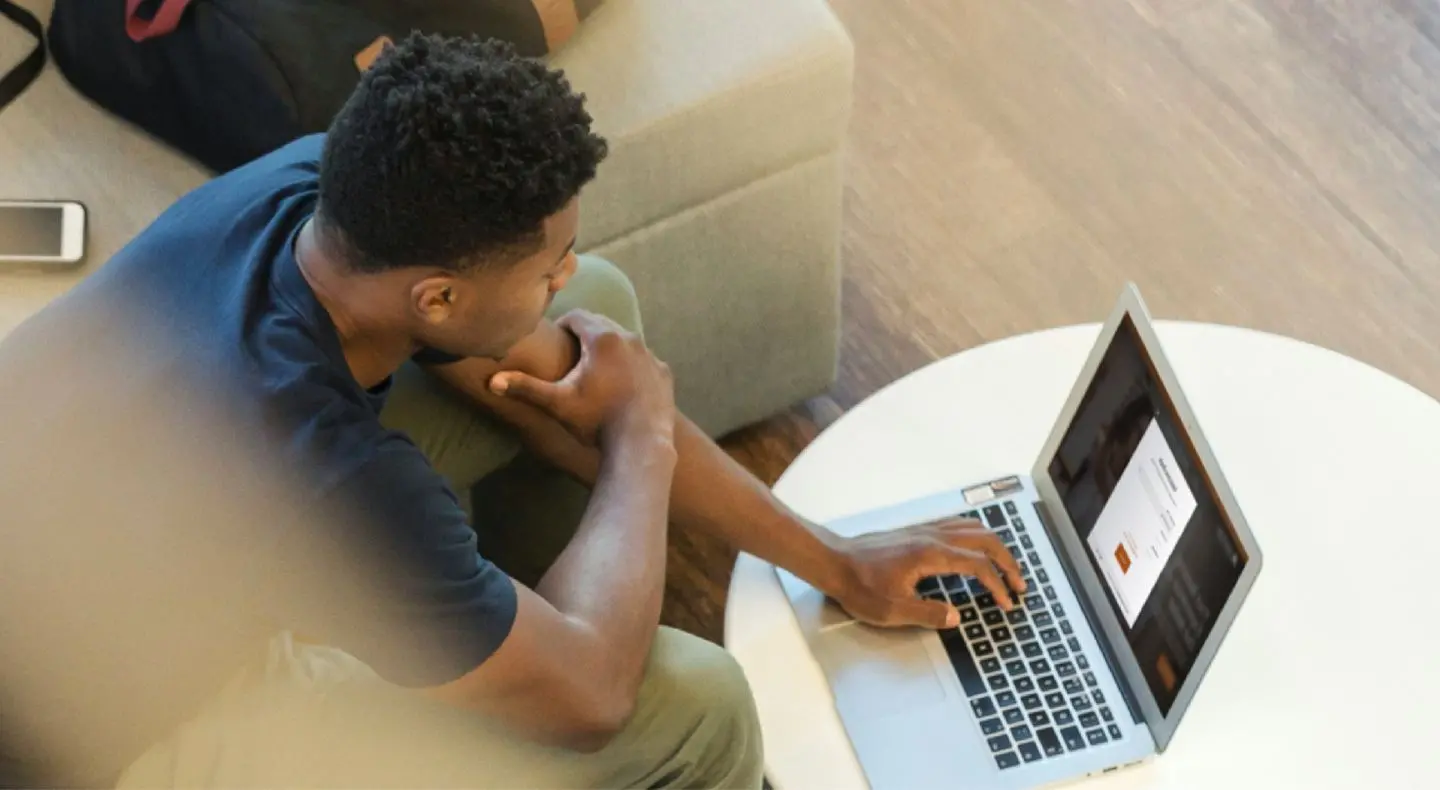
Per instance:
(315,716)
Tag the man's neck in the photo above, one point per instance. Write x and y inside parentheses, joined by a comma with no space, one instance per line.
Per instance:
(373,343)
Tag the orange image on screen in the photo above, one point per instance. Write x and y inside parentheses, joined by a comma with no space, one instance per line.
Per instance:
(1167,672)
(1122,557)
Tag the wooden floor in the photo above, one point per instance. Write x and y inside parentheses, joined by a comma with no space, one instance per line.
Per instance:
(1267,163)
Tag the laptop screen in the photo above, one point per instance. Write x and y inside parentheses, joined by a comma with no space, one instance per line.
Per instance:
(1147,515)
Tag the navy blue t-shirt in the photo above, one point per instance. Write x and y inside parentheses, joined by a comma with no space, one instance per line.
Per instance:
(217,278)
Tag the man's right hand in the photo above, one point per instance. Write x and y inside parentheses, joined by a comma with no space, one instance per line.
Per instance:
(617,389)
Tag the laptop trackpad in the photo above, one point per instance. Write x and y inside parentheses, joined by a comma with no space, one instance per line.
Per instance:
(877,672)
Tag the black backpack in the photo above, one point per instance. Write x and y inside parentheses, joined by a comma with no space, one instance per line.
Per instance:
(226,81)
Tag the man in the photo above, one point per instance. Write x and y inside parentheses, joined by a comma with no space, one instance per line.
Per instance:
(398,312)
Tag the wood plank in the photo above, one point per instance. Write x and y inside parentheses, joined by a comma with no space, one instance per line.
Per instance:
(1378,54)
(1173,181)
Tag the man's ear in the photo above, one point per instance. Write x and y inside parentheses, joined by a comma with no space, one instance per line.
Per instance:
(434,298)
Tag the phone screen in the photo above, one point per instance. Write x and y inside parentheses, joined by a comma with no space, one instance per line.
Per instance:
(31,231)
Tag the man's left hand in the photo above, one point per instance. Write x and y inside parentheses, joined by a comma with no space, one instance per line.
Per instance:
(884,567)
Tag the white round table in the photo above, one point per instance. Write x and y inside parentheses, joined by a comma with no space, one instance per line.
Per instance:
(1330,676)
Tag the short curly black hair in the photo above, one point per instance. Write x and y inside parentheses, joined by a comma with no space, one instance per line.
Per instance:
(451,152)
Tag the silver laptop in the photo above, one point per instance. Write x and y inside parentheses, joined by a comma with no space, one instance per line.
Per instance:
(1136,560)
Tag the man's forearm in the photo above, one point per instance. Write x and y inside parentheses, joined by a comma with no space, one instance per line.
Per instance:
(711,492)
(620,544)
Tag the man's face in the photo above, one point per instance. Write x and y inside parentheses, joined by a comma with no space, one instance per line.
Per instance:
(483,313)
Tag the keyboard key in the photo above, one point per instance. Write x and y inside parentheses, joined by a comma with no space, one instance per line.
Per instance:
(993,617)
(1099,697)
(994,517)
(1106,714)
(969,615)
(1042,576)
(1048,683)
(1015,551)
(1013,716)
(1039,718)
(1024,567)
(1021,733)
(1050,592)
(1039,666)
(1047,635)
(963,663)
(1073,642)
(1064,669)
(929,584)
(1066,628)
(1030,701)
(1010,507)
(991,726)
(1063,717)
(1026,542)
(1055,699)
(1029,752)
(998,682)
(1058,610)
(1058,653)
(1024,633)
(999,743)
(1089,720)
(1041,619)
(983,649)
(1073,686)
(1034,650)
(1074,741)
(1049,742)
(1034,558)
(974,631)
(1018,524)
(936,595)
(1001,634)
(960,598)
(1016,668)
(1005,699)
(982,707)
(989,666)
(1024,685)
(1005,535)
(970,514)
(1080,703)
(1096,737)
(1009,651)
(1089,678)
(1083,662)
(985,600)
(1034,602)
(1114,732)
(1016,616)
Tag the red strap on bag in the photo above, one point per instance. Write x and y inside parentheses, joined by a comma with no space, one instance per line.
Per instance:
(166,17)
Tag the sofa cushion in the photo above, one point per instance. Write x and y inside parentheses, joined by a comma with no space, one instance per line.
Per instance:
(699,98)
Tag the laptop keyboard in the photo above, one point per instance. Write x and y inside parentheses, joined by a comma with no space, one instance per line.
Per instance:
(1030,685)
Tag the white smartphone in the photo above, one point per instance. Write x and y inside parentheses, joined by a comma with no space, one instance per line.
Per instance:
(42,231)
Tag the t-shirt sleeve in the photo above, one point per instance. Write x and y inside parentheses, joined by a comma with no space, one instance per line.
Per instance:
(438,608)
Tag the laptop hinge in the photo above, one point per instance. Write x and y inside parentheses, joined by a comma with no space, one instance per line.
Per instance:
(1130,701)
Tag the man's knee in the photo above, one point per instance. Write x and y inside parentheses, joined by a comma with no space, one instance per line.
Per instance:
(600,287)
(698,689)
